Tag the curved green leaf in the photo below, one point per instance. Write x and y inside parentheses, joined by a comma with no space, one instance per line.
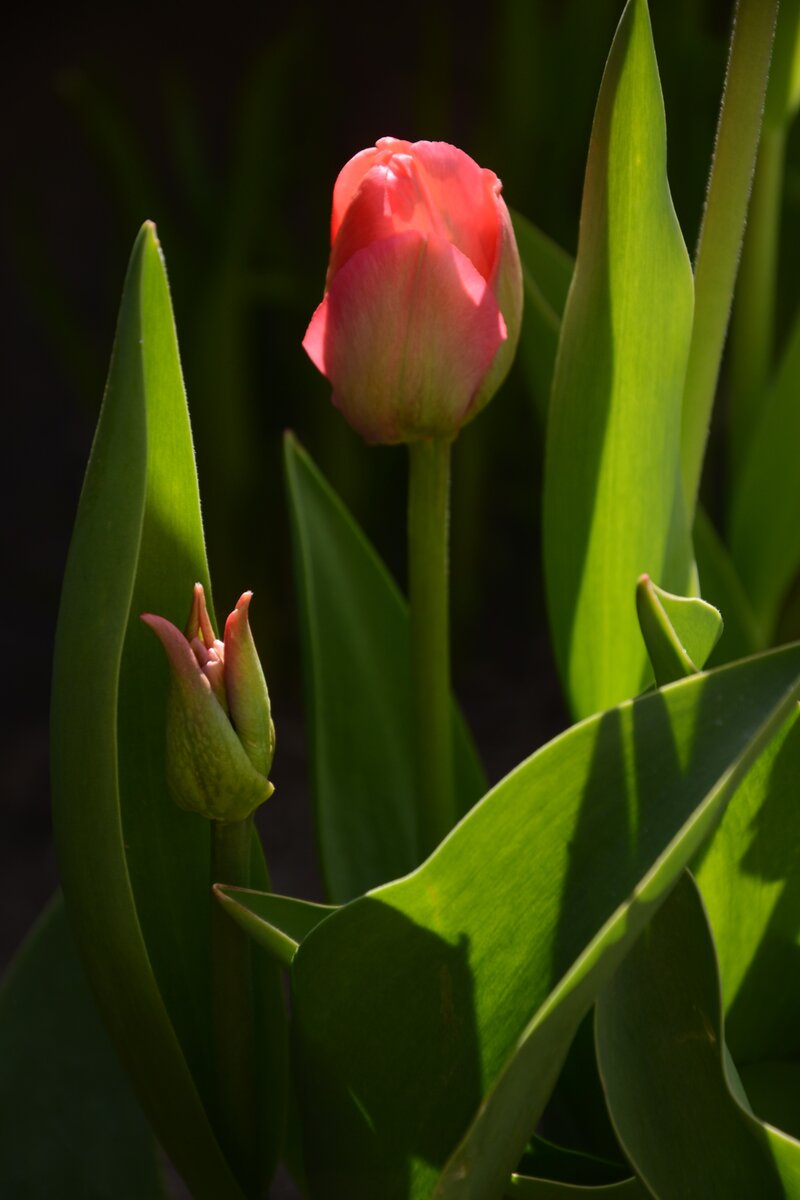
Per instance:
(679,631)
(549,1172)
(549,1189)
(612,509)
(358,683)
(433,1015)
(673,1093)
(70,1125)
(278,923)
(135,868)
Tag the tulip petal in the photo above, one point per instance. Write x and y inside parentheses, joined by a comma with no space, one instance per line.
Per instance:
(432,187)
(182,660)
(353,171)
(468,195)
(406,333)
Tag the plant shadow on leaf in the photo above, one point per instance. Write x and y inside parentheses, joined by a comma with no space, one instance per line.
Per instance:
(762,1019)
(428,1044)
(413,1089)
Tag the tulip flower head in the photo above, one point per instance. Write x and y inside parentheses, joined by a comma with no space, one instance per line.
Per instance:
(220,736)
(423,301)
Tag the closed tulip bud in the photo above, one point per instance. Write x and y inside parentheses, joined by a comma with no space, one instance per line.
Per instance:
(423,301)
(220,736)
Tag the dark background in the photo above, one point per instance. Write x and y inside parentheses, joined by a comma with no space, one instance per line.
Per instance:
(229,133)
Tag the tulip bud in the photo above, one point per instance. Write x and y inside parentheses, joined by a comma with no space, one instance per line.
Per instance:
(423,302)
(220,736)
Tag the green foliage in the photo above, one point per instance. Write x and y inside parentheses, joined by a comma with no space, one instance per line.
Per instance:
(765,508)
(612,507)
(679,631)
(358,682)
(546,276)
(70,1125)
(427,1044)
(660,1018)
(135,868)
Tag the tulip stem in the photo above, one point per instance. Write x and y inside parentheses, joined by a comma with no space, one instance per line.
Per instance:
(428,522)
(232,999)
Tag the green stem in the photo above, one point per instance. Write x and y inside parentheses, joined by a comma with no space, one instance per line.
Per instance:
(753,323)
(723,223)
(232,998)
(428,518)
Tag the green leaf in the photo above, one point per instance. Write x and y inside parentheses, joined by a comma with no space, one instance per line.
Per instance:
(70,1125)
(673,1092)
(612,504)
(722,587)
(765,507)
(783,89)
(749,881)
(278,923)
(549,1172)
(773,1089)
(356,660)
(432,1016)
(548,1189)
(546,275)
(135,868)
(679,631)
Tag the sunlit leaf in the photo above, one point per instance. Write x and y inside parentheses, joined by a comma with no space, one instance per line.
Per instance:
(427,1043)
(679,631)
(612,509)
(135,867)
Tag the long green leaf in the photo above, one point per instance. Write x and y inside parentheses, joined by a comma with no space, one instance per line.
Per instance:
(673,1092)
(765,510)
(611,499)
(356,658)
(433,1015)
(721,586)
(69,1125)
(546,275)
(135,868)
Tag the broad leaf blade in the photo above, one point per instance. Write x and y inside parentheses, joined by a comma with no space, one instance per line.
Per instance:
(427,1043)
(70,1124)
(356,657)
(611,505)
(749,881)
(135,868)
(659,1021)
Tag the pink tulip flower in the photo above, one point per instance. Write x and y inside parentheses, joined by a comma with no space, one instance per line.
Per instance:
(220,736)
(423,301)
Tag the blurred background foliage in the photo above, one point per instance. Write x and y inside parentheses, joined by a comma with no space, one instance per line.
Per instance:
(229,131)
